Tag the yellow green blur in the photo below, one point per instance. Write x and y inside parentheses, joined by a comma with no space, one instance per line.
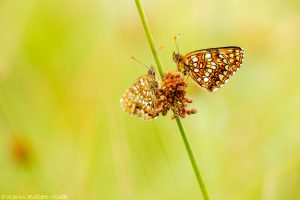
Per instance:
(64,65)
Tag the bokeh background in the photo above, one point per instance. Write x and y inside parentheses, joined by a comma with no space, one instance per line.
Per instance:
(65,63)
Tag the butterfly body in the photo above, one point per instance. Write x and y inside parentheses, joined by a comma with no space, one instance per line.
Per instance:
(139,99)
(210,68)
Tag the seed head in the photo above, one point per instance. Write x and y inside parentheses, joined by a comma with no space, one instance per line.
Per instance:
(171,96)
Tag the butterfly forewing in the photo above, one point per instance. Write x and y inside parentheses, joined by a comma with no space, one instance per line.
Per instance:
(211,68)
(139,99)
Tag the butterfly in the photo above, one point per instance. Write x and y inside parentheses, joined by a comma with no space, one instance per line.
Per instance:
(210,68)
(139,99)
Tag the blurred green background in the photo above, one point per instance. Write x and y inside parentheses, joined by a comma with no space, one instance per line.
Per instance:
(65,63)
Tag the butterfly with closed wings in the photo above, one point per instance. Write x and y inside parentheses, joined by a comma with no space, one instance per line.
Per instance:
(139,99)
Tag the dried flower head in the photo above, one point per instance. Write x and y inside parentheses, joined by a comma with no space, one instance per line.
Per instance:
(171,96)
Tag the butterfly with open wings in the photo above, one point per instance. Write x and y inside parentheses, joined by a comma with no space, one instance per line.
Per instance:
(210,68)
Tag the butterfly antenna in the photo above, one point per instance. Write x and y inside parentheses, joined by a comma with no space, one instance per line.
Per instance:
(176,45)
(178,38)
(140,62)
(160,48)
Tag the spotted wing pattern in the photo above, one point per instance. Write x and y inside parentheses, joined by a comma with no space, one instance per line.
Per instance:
(139,99)
(211,68)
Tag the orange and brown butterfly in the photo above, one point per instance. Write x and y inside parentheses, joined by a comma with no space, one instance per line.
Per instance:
(210,68)
(139,99)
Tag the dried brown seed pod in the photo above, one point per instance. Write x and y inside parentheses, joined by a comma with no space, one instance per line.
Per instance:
(171,96)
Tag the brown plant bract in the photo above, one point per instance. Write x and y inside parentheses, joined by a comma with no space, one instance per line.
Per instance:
(171,96)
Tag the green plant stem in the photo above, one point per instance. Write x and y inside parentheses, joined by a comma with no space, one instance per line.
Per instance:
(179,123)
(150,38)
(192,159)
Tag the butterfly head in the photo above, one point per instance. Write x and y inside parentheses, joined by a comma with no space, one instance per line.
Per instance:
(178,58)
(151,71)
(152,79)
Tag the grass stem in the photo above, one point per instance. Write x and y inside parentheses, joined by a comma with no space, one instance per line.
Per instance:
(192,159)
(179,123)
(150,38)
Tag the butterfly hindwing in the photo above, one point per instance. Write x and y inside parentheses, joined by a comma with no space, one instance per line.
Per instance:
(139,99)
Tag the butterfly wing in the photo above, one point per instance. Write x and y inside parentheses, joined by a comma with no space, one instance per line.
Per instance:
(139,99)
(211,68)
